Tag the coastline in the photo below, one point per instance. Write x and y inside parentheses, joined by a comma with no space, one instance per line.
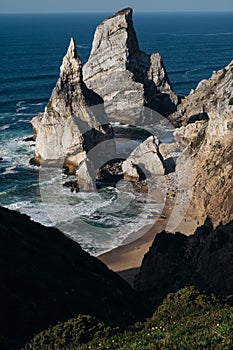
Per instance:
(126,259)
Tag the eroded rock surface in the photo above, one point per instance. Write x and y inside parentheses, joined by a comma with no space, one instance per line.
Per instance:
(70,126)
(145,161)
(125,77)
(206,116)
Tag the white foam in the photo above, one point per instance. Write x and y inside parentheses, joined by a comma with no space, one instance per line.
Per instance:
(117,124)
(82,219)
(35,211)
(20,109)
(37,104)
(16,151)
(24,120)
(219,34)
(24,114)
(17,205)
(9,170)
(83,46)
(4,127)
(19,103)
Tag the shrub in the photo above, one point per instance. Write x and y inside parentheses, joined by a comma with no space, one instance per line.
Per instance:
(187,319)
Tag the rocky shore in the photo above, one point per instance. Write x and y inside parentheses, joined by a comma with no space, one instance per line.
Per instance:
(121,83)
(193,172)
(47,277)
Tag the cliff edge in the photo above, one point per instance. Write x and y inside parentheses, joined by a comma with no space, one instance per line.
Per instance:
(46,278)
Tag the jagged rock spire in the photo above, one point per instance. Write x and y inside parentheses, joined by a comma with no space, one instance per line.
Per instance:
(119,25)
(69,127)
(72,52)
(137,79)
(71,68)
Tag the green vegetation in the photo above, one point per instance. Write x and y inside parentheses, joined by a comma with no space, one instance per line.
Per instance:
(187,319)
(71,334)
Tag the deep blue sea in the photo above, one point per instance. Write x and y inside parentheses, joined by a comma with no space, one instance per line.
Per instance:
(31,51)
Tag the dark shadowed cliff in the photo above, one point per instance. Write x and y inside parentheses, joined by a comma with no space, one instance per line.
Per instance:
(46,278)
(174,261)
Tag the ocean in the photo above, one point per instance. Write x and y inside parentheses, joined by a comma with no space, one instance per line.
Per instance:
(31,52)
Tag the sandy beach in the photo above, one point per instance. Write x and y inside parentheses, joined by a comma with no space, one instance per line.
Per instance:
(127,258)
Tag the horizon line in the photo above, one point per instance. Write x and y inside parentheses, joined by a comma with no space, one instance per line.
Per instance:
(107,12)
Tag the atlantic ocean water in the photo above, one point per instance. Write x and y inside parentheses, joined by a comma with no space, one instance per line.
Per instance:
(31,51)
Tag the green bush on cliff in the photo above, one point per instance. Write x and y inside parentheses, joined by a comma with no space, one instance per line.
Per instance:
(187,319)
(71,334)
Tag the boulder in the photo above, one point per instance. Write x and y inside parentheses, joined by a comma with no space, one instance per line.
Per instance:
(86,176)
(144,162)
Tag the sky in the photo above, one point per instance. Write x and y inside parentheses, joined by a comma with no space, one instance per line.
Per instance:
(61,6)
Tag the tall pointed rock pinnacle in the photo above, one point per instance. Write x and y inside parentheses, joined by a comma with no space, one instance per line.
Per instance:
(125,77)
(69,127)
(72,52)
(117,29)
(71,68)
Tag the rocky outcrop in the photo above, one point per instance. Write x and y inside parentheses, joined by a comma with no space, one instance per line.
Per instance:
(86,176)
(214,94)
(125,77)
(144,162)
(206,116)
(70,126)
(46,278)
(175,261)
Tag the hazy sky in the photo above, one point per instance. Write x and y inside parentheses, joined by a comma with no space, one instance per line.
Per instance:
(46,6)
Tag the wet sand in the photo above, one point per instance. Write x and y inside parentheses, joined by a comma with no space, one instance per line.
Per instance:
(127,258)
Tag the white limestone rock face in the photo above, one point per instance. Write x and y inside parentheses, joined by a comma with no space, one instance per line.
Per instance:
(206,119)
(86,176)
(70,126)
(214,95)
(125,77)
(145,159)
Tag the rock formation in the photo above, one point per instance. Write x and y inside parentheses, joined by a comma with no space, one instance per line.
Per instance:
(214,94)
(125,77)
(175,261)
(86,174)
(128,80)
(206,116)
(145,161)
(70,126)
(46,278)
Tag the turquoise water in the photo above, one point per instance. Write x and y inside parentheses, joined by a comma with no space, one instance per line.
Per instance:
(31,51)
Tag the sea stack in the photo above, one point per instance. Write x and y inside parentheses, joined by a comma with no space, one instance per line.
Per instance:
(70,126)
(126,78)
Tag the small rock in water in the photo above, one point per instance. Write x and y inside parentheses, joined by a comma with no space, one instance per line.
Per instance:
(29,139)
(73,185)
(34,161)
